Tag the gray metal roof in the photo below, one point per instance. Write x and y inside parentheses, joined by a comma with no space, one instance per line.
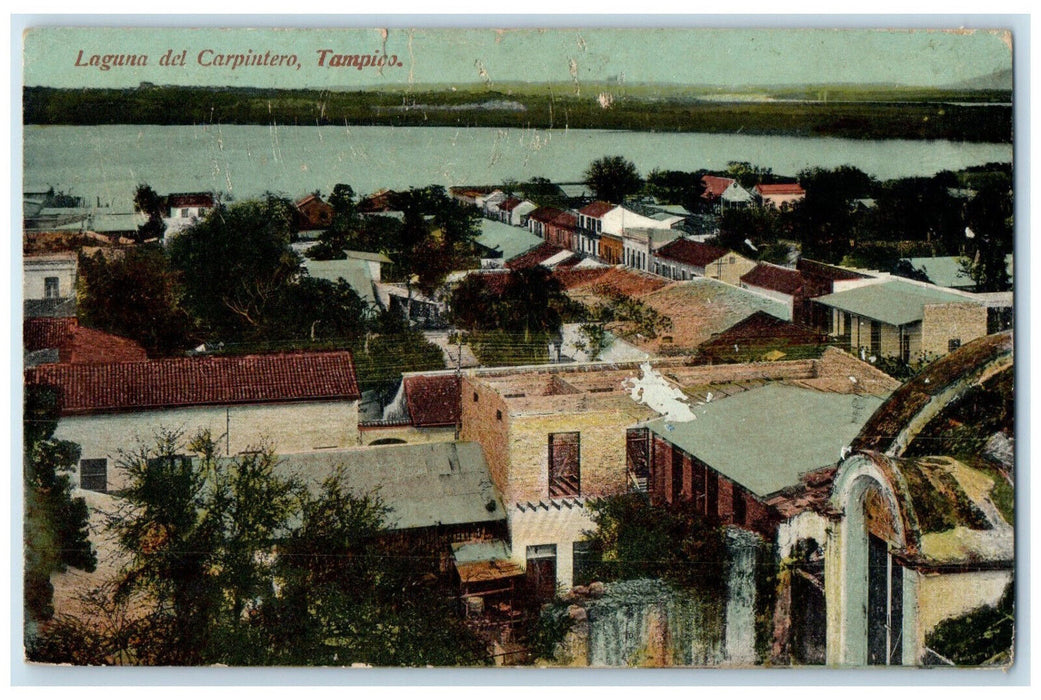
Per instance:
(355,273)
(424,485)
(512,241)
(946,271)
(765,438)
(893,302)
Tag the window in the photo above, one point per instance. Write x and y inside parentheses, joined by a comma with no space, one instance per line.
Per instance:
(953,344)
(740,514)
(50,288)
(475,397)
(564,474)
(677,475)
(733,259)
(94,474)
(876,338)
(185,213)
(541,570)
(584,562)
(638,456)
(498,414)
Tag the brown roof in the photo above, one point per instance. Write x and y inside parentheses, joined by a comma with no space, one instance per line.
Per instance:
(762,328)
(200,381)
(596,209)
(625,281)
(510,204)
(715,186)
(433,401)
(691,252)
(570,279)
(46,333)
(778,279)
(825,271)
(534,257)
(189,199)
(565,219)
(92,346)
(783,188)
(545,214)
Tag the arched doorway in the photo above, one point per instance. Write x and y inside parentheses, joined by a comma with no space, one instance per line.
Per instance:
(874,585)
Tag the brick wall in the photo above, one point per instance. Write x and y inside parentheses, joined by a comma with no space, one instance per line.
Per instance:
(485,420)
(942,323)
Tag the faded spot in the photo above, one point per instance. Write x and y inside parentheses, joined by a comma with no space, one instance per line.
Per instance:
(655,392)
(605,99)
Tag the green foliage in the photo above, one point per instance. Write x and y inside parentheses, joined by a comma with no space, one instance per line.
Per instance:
(548,630)
(634,539)
(55,533)
(543,192)
(748,175)
(676,187)
(612,178)
(871,113)
(136,295)
(235,262)
(989,216)
(148,202)
(594,339)
(384,356)
(233,563)
(981,637)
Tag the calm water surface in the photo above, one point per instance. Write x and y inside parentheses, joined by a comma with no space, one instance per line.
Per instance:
(105,163)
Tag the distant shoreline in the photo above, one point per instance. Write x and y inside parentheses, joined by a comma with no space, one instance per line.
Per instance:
(844,112)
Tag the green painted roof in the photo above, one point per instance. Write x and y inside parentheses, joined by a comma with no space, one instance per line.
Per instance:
(946,271)
(765,438)
(512,241)
(354,272)
(893,302)
(444,483)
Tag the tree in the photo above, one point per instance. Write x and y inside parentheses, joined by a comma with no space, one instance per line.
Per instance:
(988,216)
(748,175)
(235,263)
(634,539)
(823,221)
(233,563)
(613,178)
(56,524)
(151,204)
(138,296)
(677,187)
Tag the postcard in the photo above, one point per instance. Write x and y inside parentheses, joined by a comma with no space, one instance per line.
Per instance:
(584,347)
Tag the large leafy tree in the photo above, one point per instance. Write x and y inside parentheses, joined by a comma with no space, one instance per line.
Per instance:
(235,263)
(823,220)
(613,178)
(232,562)
(988,216)
(677,187)
(138,296)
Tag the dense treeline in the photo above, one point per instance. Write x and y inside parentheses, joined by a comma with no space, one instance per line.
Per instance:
(549,107)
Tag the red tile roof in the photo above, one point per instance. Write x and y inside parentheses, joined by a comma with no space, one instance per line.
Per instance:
(189,199)
(596,209)
(778,279)
(784,188)
(510,204)
(570,279)
(761,328)
(715,186)
(828,272)
(46,333)
(433,401)
(534,257)
(691,252)
(565,220)
(545,214)
(200,381)
(78,345)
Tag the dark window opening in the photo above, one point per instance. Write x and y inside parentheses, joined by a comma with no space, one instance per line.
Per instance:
(638,456)
(953,344)
(677,475)
(541,570)
(564,472)
(585,560)
(876,338)
(50,288)
(94,474)
(739,507)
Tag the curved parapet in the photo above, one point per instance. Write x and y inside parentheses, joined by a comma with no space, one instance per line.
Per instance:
(911,407)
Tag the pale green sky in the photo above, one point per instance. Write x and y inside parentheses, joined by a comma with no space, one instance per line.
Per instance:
(694,56)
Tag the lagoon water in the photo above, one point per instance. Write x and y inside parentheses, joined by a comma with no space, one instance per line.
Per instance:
(105,163)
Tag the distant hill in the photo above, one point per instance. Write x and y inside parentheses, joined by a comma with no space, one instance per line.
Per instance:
(998,80)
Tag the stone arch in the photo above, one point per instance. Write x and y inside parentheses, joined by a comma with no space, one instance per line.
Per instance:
(872,526)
